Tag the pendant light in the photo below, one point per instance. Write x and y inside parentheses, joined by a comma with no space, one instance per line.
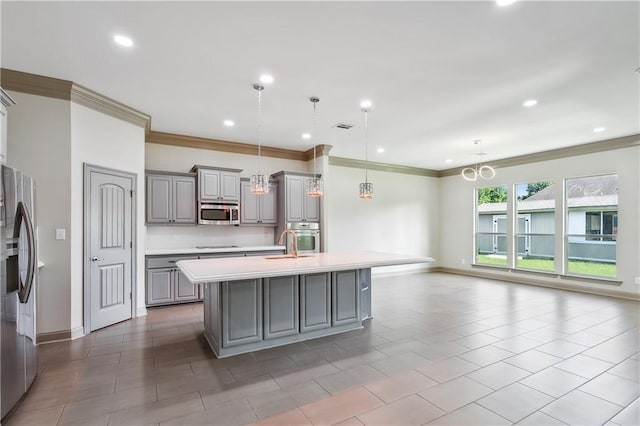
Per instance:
(314,185)
(366,187)
(259,183)
(485,172)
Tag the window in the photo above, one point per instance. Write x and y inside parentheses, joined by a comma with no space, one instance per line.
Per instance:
(592,225)
(535,225)
(491,226)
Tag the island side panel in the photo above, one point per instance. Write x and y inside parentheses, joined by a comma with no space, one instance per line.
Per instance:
(212,313)
(345,297)
(365,293)
(281,306)
(315,301)
(241,312)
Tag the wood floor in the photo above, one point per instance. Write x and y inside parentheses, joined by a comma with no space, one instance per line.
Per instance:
(441,349)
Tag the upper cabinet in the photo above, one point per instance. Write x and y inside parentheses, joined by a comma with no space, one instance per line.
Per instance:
(216,184)
(5,101)
(258,209)
(171,198)
(298,207)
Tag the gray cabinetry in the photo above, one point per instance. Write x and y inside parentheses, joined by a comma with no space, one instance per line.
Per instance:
(215,184)
(258,209)
(280,306)
(315,301)
(166,284)
(345,295)
(365,293)
(171,198)
(184,290)
(241,312)
(293,203)
(159,286)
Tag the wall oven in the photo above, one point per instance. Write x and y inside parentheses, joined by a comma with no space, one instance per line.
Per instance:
(308,236)
(218,213)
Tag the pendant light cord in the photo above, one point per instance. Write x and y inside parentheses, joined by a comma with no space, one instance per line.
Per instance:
(366,150)
(314,140)
(259,131)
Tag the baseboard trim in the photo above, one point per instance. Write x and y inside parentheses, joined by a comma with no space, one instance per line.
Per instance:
(53,336)
(141,311)
(537,282)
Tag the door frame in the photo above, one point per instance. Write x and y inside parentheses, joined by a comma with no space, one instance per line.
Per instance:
(86,255)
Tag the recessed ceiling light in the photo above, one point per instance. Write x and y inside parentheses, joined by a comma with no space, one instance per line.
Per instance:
(380,150)
(306,136)
(123,40)
(266,78)
(599,129)
(229,123)
(505,2)
(529,103)
(365,104)
(448,161)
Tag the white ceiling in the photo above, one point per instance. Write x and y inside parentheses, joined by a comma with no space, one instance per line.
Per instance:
(440,74)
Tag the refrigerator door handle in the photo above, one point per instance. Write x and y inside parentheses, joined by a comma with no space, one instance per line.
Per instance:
(22,214)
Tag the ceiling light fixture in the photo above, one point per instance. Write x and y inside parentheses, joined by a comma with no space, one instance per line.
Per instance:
(259,183)
(314,185)
(123,40)
(529,103)
(306,136)
(366,187)
(448,161)
(266,79)
(505,2)
(229,123)
(599,129)
(380,150)
(473,173)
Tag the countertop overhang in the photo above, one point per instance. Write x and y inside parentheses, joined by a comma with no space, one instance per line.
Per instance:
(194,250)
(241,268)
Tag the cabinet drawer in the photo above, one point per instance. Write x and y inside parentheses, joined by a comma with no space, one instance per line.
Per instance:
(166,261)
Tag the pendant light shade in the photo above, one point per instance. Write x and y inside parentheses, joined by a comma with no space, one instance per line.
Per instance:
(314,185)
(366,187)
(485,172)
(259,183)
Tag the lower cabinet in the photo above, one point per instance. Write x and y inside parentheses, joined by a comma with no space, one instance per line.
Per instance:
(241,312)
(184,290)
(169,285)
(345,297)
(315,301)
(280,306)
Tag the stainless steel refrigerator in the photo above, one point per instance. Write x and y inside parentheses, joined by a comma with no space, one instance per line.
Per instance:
(18,270)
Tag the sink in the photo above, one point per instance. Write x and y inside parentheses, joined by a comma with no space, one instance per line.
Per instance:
(288,256)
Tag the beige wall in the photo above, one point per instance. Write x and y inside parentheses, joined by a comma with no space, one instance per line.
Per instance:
(457,207)
(38,144)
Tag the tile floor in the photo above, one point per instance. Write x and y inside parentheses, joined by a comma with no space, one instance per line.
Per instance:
(441,349)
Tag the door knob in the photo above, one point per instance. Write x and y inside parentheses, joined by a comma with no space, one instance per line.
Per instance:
(96,259)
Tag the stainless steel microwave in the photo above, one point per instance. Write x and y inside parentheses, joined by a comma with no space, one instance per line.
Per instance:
(219,213)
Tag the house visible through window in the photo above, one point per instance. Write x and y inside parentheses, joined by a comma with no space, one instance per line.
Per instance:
(603,224)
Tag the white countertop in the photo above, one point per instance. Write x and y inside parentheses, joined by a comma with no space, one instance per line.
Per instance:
(239,268)
(192,250)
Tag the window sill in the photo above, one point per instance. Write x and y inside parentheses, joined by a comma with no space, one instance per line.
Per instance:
(584,278)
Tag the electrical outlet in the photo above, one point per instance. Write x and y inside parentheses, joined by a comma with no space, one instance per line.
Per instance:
(463,261)
(61,234)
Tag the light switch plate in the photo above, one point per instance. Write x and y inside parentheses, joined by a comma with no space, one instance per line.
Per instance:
(61,233)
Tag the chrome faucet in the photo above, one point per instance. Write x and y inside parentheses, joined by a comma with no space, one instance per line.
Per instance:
(294,246)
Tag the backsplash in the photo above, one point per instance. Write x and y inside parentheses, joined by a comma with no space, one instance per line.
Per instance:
(162,237)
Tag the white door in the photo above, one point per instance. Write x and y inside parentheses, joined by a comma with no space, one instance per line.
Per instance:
(109,226)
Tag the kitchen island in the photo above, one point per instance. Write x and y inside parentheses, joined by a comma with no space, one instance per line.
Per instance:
(253,303)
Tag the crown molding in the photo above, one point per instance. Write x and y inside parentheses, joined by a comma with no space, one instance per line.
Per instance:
(39,85)
(320,151)
(224,146)
(34,84)
(570,151)
(384,167)
(90,99)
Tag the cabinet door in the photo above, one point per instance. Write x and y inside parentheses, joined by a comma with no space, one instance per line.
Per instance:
(184,290)
(294,198)
(241,312)
(184,199)
(159,286)
(159,199)
(315,301)
(248,205)
(280,306)
(311,205)
(209,181)
(269,206)
(345,297)
(230,185)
